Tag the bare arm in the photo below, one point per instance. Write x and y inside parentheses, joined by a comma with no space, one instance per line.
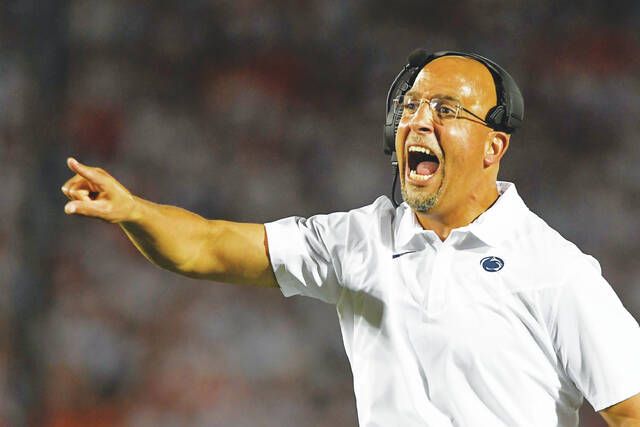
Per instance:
(623,414)
(171,237)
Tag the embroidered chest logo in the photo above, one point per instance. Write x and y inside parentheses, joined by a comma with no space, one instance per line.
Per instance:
(492,264)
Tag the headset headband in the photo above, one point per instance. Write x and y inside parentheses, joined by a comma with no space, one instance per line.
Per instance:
(506,116)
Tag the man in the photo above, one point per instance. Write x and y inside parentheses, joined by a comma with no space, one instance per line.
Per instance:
(459,307)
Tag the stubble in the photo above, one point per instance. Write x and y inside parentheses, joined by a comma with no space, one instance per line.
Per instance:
(420,202)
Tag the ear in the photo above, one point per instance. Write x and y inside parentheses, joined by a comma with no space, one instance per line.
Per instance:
(494,148)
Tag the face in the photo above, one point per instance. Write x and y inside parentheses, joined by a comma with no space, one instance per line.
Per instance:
(441,164)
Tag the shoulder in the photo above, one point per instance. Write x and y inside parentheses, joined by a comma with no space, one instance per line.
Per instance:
(380,207)
(377,211)
(552,245)
(381,210)
(358,224)
(546,258)
(355,224)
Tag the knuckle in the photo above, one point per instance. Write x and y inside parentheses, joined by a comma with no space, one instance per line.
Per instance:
(103,208)
(78,180)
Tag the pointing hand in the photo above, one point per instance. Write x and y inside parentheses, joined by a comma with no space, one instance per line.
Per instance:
(94,193)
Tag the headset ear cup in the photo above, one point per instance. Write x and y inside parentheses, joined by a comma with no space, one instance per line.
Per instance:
(496,116)
(389,136)
(391,128)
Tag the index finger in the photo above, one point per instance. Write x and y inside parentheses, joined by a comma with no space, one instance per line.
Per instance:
(84,171)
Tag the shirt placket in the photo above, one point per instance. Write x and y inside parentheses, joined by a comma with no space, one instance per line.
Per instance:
(435,299)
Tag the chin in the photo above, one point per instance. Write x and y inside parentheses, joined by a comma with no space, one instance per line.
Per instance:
(424,198)
(422,203)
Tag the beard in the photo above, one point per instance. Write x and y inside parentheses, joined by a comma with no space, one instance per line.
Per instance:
(418,202)
(422,203)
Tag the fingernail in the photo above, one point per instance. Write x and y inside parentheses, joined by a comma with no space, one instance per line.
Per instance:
(70,209)
(64,189)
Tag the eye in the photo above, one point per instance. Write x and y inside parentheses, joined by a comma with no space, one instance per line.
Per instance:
(410,105)
(444,109)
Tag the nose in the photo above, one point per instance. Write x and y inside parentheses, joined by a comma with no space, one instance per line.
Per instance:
(422,121)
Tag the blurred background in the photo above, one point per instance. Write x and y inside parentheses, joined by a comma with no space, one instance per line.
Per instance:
(254,110)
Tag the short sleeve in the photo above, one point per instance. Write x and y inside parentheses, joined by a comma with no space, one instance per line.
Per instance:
(306,254)
(597,339)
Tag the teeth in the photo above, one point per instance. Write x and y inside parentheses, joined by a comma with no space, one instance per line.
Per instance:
(415,175)
(420,149)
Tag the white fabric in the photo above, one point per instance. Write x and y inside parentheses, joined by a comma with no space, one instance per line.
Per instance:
(436,340)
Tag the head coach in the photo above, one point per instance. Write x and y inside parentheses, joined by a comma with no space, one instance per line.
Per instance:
(458,307)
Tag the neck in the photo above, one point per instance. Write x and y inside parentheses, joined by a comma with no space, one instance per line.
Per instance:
(464,212)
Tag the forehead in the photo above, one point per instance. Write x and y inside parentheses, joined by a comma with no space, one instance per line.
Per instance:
(463,78)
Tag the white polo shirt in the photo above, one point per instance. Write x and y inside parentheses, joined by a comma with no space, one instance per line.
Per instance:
(505,323)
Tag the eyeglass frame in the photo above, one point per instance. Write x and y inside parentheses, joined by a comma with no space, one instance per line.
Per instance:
(398,101)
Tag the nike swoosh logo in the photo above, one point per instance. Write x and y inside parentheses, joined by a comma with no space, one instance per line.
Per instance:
(394,256)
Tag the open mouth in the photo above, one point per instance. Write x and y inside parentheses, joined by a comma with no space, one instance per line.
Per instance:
(422,163)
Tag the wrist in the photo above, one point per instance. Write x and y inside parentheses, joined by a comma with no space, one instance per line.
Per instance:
(135,214)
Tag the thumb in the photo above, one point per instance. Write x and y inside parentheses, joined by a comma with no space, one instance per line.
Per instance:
(84,171)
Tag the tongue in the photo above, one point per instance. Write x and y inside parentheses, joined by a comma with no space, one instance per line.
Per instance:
(427,168)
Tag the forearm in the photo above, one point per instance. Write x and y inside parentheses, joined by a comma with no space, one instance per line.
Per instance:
(171,237)
(188,244)
(168,236)
(622,421)
(623,414)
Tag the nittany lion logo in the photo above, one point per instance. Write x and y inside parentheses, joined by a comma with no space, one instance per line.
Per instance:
(492,263)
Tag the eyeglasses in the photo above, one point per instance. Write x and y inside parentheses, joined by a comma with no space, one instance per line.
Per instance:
(442,110)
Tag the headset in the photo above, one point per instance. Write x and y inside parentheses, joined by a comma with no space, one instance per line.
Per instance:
(506,116)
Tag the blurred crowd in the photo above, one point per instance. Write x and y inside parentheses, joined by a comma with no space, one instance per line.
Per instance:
(254,110)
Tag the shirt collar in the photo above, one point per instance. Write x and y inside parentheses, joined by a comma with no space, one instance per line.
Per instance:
(492,226)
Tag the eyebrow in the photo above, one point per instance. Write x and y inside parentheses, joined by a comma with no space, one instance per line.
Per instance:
(437,96)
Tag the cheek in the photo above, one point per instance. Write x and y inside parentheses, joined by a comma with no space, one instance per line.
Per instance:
(462,149)
(457,133)
(454,144)
(401,137)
